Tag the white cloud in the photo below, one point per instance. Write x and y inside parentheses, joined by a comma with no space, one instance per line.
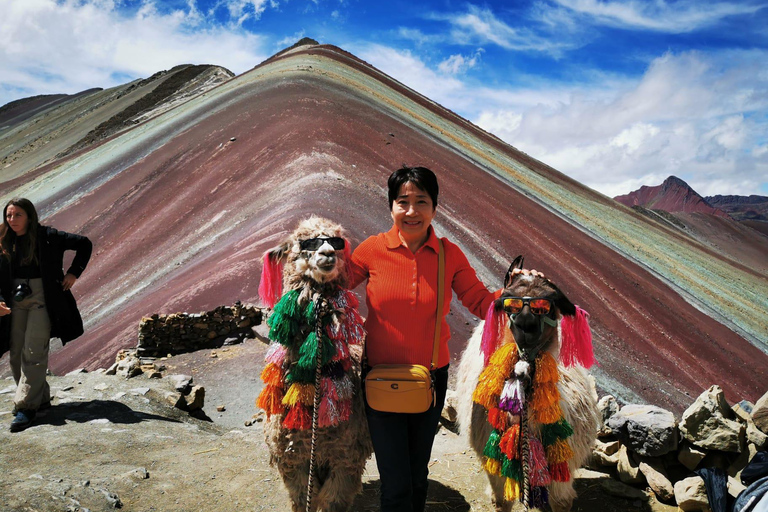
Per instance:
(700,117)
(65,47)
(458,63)
(242,10)
(481,25)
(675,17)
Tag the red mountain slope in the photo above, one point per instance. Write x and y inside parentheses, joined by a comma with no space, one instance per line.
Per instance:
(180,214)
(674,195)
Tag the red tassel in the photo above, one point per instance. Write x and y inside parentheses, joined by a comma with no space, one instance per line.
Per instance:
(560,472)
(344,408)
(271,284)
(328,415)
(540,477)
(492,332)
(510,441)
(298,418)
(497,418)
(576,347)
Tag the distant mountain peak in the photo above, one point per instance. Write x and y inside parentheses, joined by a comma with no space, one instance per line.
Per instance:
(673,195)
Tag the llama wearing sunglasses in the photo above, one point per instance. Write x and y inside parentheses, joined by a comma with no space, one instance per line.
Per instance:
(315,413)
(525,400)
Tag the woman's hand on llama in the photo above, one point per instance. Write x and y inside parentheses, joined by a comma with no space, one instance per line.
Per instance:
(4,310)
(68,282)
(526,272)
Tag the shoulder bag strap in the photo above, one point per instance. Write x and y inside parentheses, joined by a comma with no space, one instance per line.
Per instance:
(438,320)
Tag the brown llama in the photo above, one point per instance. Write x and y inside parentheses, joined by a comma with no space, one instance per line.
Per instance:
(312,376)
(526,403)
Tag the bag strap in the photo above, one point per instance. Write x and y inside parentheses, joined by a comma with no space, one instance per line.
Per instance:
(438,320)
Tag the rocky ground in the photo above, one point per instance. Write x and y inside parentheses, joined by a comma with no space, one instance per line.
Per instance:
(110,442)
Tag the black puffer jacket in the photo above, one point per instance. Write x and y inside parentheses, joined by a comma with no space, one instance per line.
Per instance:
(66,322)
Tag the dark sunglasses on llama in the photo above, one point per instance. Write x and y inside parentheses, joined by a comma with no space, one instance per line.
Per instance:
(313,244)
(514,305)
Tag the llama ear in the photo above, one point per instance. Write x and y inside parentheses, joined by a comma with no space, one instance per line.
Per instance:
(516,264)
(271,284)
(562,302)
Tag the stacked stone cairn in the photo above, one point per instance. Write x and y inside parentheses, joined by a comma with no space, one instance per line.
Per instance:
(647,446)
(161,335)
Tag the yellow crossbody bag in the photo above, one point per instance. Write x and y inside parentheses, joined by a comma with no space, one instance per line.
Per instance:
(407,388)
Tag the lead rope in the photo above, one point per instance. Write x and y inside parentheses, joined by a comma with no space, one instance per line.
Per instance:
(525,456)
(321,310)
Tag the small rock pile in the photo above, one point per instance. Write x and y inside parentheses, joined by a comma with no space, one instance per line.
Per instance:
(181,393)
(647,445)
(177,333)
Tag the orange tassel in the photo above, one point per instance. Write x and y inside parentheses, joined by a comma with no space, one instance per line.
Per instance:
(505,358)
(546,369)
(272,375)
(559,452)
(271,400)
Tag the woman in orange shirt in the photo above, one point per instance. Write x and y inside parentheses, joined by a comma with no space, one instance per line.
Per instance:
(401,267)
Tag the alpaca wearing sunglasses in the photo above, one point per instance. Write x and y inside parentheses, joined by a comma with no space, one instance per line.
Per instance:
(527,361)
(311,265)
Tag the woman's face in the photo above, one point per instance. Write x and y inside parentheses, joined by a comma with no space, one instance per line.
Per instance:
(18,219)
(412,211)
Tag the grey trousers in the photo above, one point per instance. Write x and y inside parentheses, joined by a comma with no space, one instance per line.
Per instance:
(30,343)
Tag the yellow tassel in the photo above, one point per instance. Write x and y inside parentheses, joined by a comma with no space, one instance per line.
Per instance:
(561,451)
(546,369)
(300,393)
(511,490)
(504,358)
(492,467)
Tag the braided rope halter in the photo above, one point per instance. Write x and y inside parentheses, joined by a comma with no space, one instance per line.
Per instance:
(322,309)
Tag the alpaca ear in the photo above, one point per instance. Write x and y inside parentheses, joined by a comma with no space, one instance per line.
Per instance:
(271,284)
(516,264)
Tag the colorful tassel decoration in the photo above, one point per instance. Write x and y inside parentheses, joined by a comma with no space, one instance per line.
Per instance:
(271,400)
(492,332)
(492,467)
(497,418)
(560,472)
(509,443)
(576,345)
(328,415)
(299,394)
(511,490)
(492,450)
(559,452)
(276,354)
(538,462)
(298,418)
(272,375)
(554,432)
(271,284)
(512,397)
(512,469)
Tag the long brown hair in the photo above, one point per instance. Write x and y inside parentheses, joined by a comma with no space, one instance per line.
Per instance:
(8,236)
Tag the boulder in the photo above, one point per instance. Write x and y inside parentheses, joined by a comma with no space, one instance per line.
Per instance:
(657,478)
(128,367)
(621,490)
(608,406)
(760,413)
(707,423)
(606,453)
(196,398)
(691,495)
(645,429)
(627,468)
(181,383)
(756,436)
(690,455)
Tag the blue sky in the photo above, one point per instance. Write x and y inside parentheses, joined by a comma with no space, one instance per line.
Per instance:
(616,94)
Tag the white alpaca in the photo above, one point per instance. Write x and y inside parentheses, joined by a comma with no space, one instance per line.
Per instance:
(314,274)
(532,335)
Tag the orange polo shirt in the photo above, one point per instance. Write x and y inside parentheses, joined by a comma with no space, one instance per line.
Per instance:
(401,295)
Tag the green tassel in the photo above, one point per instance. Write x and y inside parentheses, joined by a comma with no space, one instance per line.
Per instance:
(308,352)
(552,433)
(492,450)
(286,319)
(300,375)
(309,313)
(512,469)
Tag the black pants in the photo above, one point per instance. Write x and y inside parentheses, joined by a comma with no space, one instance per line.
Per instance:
(403,445)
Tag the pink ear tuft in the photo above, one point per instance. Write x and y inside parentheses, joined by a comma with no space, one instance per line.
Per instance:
(492,332)
(271,285)
(576,347)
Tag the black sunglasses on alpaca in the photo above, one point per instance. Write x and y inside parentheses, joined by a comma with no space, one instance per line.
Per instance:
(514,305)
(313,244)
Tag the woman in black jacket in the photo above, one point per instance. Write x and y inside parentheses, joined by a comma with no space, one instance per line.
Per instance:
(35,301)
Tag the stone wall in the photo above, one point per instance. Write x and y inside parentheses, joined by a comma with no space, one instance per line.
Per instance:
(160,335)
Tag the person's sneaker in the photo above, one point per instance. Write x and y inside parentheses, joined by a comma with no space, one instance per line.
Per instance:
(22,420)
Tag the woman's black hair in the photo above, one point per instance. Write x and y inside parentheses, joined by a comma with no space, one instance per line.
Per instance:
(8,236)
(422,177)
